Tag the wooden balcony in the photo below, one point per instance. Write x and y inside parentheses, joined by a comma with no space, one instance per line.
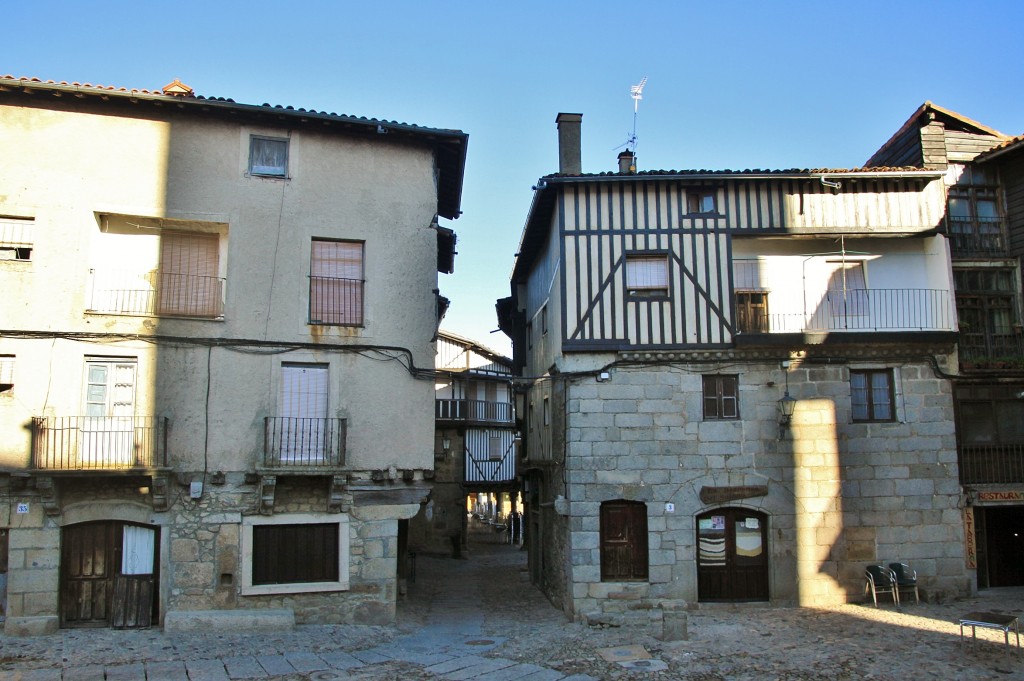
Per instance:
(853,310)
(974,237)
(992,464)
(458,411)
(991,352)
(99,443)
(303,444)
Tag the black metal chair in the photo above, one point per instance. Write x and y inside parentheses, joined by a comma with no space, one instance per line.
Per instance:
(906,579)
(881,580)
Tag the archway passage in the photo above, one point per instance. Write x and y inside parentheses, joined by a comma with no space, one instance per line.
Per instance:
(109,575)
(732,556)
(1000,533)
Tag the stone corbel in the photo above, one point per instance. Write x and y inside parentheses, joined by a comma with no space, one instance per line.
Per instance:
(47,489)
(161,500)
(268,485)
(338,498)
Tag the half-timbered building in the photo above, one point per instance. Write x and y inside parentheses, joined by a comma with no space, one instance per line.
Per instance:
(738,384)
(475,440)
(984,223)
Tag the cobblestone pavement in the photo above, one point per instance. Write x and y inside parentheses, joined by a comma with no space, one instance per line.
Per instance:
(480,619)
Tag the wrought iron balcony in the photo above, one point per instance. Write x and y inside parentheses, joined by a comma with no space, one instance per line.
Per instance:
(992,464)
(303,443)
(98,443)
(859,310)
(156,294)
(473,411)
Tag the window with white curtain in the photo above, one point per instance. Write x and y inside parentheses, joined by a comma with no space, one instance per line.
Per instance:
(268,156)
(647,275)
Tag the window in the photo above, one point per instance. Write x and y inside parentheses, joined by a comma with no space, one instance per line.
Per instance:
(529,335)
(16,238)
(623,541)
(871,395)
(494,452)
(752,311)
(721,397)
(544,320)
(547,411)
(700,202)
(295,553)
(268,156)
(336,283)
(986,305)
(6,372)
(647,275)
(108,430)
(990,415)
(974,225)
(189,284)
(301,433)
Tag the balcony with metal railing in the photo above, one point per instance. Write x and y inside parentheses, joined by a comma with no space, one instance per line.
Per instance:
(156,294)
(856,310)
(303,444)
(464,411)
(992,464)
(981,351)
(99,443)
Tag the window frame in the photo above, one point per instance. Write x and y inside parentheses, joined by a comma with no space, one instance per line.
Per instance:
(352,318)
(751,316)
(16,237)
(248,548)
(720,397)
(7,365)
(870,405)
(647,291)
(695,197)
(253,140)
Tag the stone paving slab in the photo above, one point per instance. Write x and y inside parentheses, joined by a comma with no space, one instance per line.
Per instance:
(482,670)
(371,656)
(126,672)
(341,660)
(166,671)
(544,675)
(514,673)
(89,673)
(206,670)
(244,667)
(275,665)
(31,675)
(306,662)
(455,664)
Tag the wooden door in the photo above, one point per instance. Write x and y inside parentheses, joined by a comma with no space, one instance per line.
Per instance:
(108,575)
(732,556)
(624,541)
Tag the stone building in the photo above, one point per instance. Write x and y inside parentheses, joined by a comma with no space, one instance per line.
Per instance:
(214,315)
(984,223)
(740,384)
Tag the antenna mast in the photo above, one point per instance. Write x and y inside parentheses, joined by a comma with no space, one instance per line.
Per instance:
(636,92)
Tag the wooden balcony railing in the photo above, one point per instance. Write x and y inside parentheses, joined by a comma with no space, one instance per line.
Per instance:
(991,351)
(291,442)
(163,294)
(477,411)
(992,464)
(98,443)
(862,310)
(975,237)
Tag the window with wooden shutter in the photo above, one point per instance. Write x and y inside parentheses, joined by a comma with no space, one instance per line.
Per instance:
(188,283)
(336,283)
(623,541)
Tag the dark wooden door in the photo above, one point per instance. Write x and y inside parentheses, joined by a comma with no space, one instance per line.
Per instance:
(94,589)
(623,541)
(732,556)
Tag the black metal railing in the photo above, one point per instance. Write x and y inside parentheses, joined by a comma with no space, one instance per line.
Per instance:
(303,442)
(974,236)
(97,443)
(156,294)
(473,410)
(991,464)
(860,310)
(992,351)
(335,301)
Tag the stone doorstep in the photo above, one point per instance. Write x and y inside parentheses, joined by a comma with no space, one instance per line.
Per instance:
(228,620)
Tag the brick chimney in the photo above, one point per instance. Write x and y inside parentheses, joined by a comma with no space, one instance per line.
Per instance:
(627,162)
(570,156)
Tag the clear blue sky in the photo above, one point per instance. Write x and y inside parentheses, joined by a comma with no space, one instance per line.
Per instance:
(731,85)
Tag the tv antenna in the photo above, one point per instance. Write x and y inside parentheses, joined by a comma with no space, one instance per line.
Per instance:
(637,93)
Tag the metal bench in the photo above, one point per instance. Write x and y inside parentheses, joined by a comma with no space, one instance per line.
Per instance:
(991,620)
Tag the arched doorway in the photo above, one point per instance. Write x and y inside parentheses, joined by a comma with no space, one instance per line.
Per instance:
(109,574)
(732,555)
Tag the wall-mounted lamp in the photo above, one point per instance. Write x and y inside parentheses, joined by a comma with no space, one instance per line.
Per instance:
(446,445)
(786,407)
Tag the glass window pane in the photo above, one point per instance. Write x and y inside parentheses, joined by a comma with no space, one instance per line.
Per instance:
(859,396)
(977,423)
(880,396)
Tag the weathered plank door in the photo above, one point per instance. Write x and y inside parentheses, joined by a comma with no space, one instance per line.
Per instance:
(108,575)
(732,555)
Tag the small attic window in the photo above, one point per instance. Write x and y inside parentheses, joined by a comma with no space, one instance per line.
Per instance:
(268,156)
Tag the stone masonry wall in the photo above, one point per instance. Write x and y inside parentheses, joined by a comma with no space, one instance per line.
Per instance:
(840,494)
